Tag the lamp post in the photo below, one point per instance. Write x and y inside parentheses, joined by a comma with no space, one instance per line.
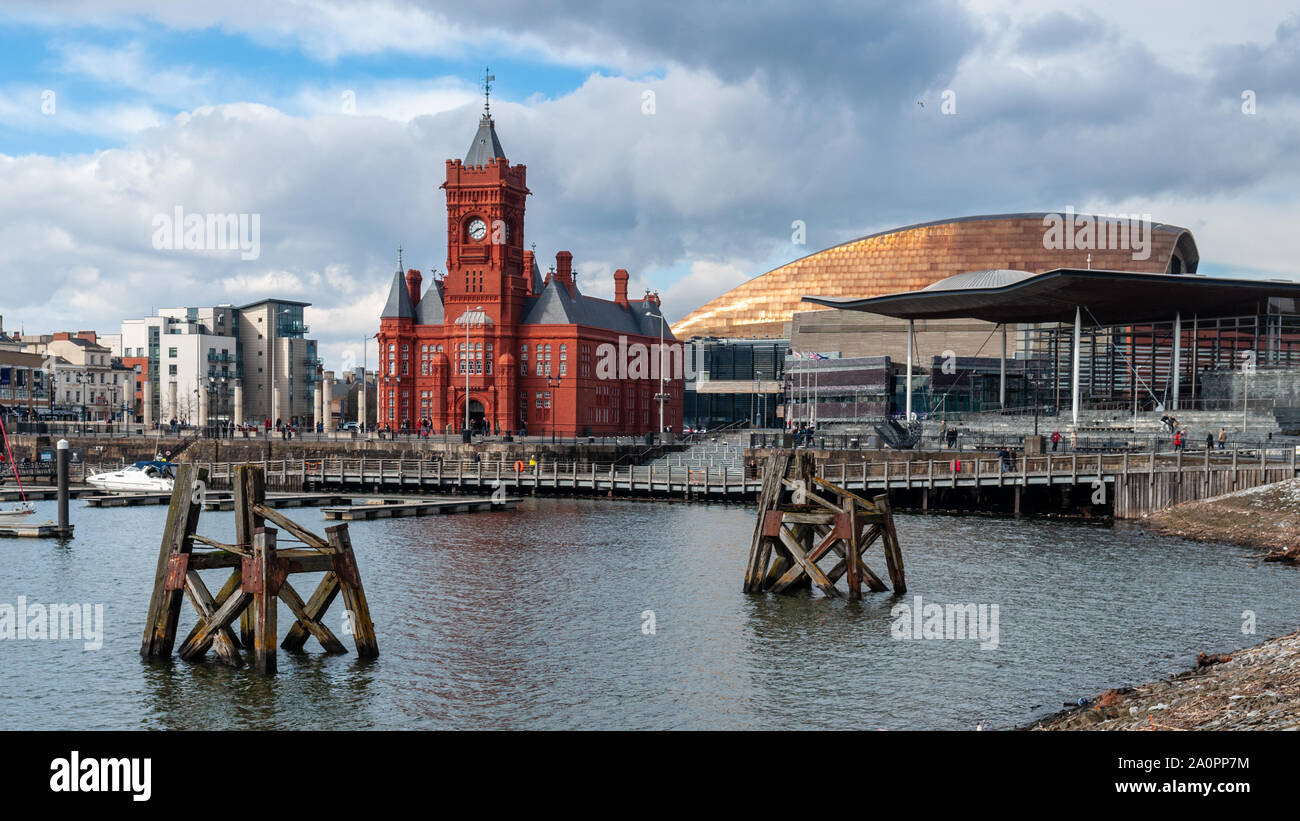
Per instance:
(552,383)
(473,317)
(661,395)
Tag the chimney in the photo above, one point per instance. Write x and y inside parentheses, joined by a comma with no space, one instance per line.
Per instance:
(564,270)
(60,336)
(528,273)
(413,280)
(620,287)
(89,336)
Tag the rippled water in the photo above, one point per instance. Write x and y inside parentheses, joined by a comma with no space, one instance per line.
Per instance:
(532,619)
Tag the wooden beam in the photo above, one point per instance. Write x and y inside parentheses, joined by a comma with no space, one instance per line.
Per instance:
(354,596)
(299,532)
(249,490)
(315,609)
(760,546)
(312,624)
(265,600)
(800,558)
(224,640)
(173,558)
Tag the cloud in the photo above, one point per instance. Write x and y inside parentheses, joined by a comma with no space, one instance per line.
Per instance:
(757,121)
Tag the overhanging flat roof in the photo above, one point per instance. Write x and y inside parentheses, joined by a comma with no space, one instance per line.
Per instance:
(1112,297)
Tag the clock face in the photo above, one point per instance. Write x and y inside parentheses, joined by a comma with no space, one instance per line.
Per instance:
(477,229)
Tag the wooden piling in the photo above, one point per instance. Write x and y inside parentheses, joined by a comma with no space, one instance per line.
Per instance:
(173,564)
(802,519)
(258,581)
(249,492)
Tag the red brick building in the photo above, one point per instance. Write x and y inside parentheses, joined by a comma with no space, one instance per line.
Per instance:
(530,362)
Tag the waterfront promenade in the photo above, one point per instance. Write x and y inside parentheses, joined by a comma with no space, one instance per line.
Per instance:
(1129,484)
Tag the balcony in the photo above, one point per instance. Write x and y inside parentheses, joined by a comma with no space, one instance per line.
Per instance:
(291,328)
(223,356)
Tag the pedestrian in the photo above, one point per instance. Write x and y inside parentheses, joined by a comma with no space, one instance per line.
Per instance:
(1056,440)
(1178,440)
(1223,437)
(1209,441)
(1074,440)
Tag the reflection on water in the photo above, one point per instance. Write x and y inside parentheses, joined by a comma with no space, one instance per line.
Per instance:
(532,619)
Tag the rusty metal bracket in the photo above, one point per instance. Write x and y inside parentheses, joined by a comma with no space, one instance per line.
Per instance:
(345,567)
(178,566)
(772,523)
(251,576)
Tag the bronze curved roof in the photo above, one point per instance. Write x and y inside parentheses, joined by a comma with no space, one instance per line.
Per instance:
(912,257)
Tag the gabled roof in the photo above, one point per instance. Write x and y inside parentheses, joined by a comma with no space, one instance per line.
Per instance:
(399,301)
(553,306)
(486,146)
(556,307)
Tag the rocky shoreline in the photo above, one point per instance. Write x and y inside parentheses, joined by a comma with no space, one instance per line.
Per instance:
(1266,517)
(1257,688)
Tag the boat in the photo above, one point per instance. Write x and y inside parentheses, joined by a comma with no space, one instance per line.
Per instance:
(14,514)
(149,476)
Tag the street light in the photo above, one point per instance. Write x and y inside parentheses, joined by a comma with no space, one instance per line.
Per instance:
(552,384)
(471,318)
(661,395)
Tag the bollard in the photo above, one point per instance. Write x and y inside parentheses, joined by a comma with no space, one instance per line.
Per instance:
(62,449)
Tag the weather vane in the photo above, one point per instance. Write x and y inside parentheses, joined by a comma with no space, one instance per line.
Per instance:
(399,257)
(487,90)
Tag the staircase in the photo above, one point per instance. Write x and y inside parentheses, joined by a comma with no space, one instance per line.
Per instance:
(715,452)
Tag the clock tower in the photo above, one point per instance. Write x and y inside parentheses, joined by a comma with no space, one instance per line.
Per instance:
(492,347)
(485,228)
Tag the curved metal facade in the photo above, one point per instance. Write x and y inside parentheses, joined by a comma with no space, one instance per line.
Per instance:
(910,258)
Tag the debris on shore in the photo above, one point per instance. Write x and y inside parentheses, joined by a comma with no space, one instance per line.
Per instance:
(1265,517)
(1253,689)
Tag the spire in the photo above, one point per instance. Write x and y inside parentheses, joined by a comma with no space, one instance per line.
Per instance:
(486,146)
(399,301)
(487,91)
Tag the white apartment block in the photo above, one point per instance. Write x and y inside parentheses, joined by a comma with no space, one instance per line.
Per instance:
(216,364)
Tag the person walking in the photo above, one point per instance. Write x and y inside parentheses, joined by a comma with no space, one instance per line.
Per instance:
(1209,442)
(1074,440)
(1056,440)
(1223,437)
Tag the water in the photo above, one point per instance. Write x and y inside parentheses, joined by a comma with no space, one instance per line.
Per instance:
(532,619)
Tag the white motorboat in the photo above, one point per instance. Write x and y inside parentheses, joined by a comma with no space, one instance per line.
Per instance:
(142,477)
(16,513)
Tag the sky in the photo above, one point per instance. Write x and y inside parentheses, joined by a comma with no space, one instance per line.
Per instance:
(682,141)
